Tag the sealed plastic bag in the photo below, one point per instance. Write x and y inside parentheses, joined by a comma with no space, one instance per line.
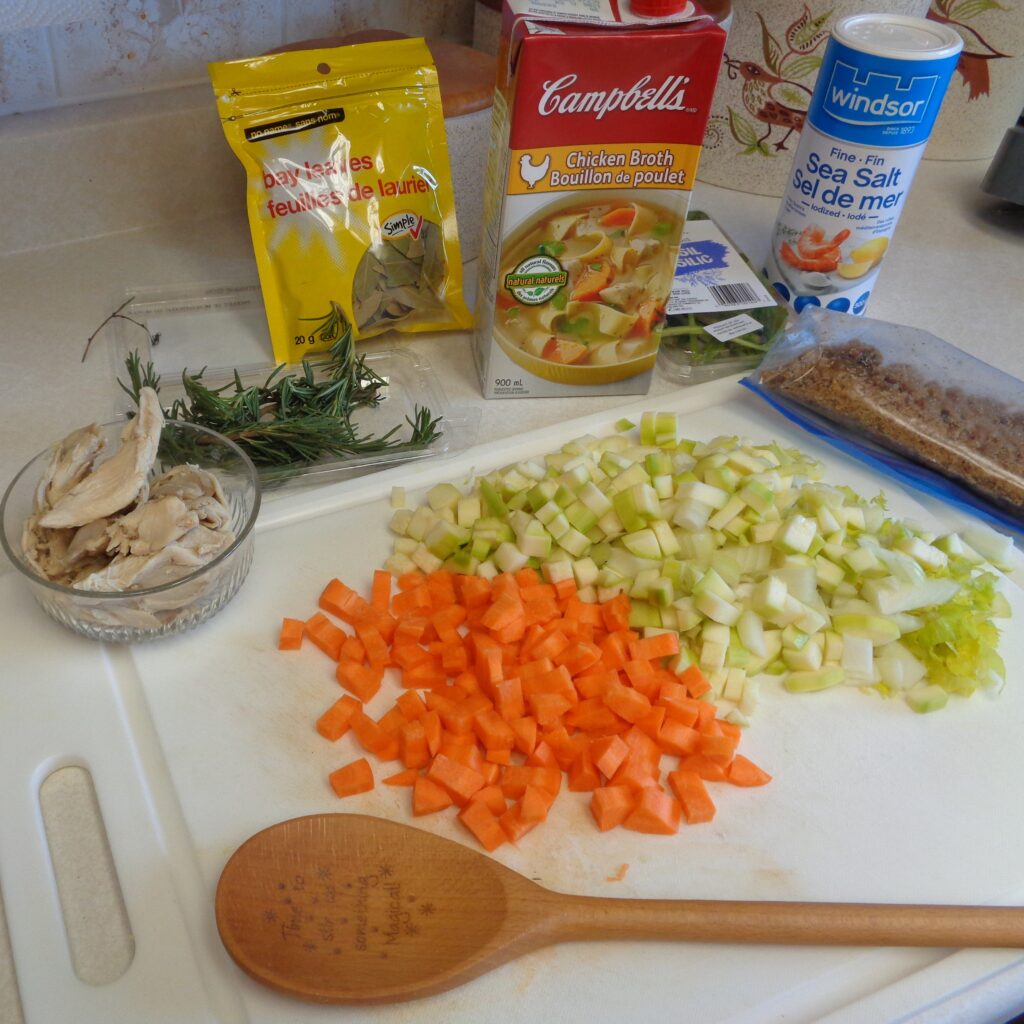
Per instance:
(907,402)
(349,191)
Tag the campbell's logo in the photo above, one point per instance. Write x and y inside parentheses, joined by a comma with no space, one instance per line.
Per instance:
(877,99)
(559,97)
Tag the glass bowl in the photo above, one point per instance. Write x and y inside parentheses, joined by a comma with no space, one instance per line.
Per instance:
(153,612)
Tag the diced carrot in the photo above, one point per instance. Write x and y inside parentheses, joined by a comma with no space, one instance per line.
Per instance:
(717,748)
(543,754)
(626,703)
(373,643)
(428,797)
(432,726)
(535,804)
(473,654)
(659,646)
(393,721)
(692,794)
(493,797)
(322,632)
(743,772)
(370,735)
(505,611)
(611,805)
(652,722)
(513,825)
(406,777)
(414,747)
(592,715)
(608,753)
(695,681)
(290,638)
(656,813)
(358,679)
(676,738)
(411,705)
(673,697)
(508,699)
(380,595)
(707,769)
(477,817)
(475,590)
(352,649)
(525,729)
(493,731)
(547,708)
(356,777)
(344,602)
(583,776)
(620,873)
(336,720)
(458,780)
(516,778)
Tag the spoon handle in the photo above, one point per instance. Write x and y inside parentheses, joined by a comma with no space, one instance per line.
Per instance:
(788,923)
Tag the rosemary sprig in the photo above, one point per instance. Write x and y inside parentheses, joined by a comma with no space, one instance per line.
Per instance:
(292,419)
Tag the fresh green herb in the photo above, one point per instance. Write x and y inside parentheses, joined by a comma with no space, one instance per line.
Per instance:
(512,313)
(619,233)
(552,248)
(662,228)
(292,419)
(596,266)
(560,299)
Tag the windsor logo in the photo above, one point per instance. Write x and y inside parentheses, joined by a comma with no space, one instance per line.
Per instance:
(877,99)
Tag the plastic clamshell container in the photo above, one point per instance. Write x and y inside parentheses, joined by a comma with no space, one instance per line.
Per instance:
(902,398)
(223,328)
(698,355)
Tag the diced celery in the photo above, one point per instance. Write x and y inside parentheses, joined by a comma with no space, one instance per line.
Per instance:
(876,628)
(398,497)
(400,520)
(642,543)
(585,571)
(443,496)
(809,682)
(574,542)
(924,698)
(492,499)
(716,608)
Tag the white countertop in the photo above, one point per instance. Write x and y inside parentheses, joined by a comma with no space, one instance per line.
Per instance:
(956,268)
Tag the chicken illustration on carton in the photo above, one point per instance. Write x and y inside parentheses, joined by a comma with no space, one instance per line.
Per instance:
(599,113)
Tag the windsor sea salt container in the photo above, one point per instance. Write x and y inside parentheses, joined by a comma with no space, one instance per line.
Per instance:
(877,96)
(598,121)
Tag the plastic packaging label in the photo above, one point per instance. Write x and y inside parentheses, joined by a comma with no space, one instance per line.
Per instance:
(712,277)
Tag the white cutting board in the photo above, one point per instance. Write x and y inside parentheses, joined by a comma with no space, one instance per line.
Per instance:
(196,742)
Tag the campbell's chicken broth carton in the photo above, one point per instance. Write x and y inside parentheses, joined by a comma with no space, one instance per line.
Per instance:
(599,114)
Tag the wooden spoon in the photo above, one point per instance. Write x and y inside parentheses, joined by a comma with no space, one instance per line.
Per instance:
(345,908)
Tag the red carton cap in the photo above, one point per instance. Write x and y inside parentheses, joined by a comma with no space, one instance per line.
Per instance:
(656,8)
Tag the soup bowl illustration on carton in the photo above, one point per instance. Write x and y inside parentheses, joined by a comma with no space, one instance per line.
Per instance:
(583,285)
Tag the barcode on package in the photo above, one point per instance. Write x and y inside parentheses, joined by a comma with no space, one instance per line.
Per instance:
(733,294)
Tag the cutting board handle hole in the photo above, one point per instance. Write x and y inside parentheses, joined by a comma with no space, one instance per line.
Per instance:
(99,933)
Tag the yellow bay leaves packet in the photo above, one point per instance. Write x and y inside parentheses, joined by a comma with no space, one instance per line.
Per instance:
(349,191)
